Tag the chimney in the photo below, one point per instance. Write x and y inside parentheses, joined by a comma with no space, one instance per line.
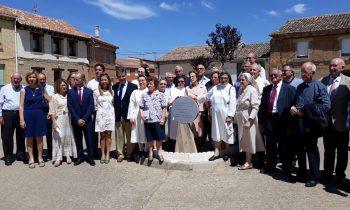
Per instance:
(97,31)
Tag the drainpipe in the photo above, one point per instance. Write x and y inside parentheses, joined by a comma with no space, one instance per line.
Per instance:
(16,67)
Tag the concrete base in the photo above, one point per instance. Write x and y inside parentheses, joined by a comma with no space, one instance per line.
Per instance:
(186,161)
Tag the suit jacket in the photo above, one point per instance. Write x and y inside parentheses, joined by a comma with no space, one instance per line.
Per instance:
(339,102)
(121,106)
(80,111)
(285,100)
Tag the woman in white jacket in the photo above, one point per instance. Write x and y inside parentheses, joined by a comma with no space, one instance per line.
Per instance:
(223,107)
(137,126)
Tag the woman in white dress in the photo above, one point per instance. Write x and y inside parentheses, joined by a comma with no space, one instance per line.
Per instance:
(223,107)
(105,121)
(63,143)
(260,82)
(137,126)
(249,136)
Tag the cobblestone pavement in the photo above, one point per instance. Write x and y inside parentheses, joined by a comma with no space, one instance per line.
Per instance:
(131,186)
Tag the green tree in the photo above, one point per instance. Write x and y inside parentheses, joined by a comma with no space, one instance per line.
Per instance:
(223,42)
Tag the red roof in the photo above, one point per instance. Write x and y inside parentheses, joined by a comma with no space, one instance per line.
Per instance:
(131,63)
(42,22)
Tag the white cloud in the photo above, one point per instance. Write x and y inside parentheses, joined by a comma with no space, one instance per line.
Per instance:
(298,8)
(123,10)
(166,6)
(273,13)
(207,4)
(187,4)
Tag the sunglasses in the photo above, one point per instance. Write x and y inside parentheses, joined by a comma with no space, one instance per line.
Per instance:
(162,83)
(181,81)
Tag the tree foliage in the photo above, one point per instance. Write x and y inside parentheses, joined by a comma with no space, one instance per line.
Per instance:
(201,60)
(223,42)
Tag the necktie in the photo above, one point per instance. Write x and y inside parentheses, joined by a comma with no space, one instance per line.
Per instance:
(80,96)
(121,91)
(272,98)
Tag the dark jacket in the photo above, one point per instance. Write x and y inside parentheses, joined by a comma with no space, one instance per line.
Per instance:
(285,101)
(121,106)
(83,111)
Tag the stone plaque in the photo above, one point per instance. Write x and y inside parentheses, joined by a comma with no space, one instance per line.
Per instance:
(184,109)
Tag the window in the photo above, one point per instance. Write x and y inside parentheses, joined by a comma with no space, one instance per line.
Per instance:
(345,47)
(57,74)
(37,42)
(38,69)
(2,68)
(1,39)
(302,49)
(56,44)
(72,48)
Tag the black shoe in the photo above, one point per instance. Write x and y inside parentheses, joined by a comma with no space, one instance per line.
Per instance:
(20,157)
(8,162)
(226,157)
(326,179)
(48,158)
(212,158)
(311,183)
(267,170)
(301,177)
(78,161)
(338,183)
(91,162)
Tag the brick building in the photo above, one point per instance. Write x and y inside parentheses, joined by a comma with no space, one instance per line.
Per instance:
(7,48)
(317,39)
(103,52)
(48,45)
(132,64)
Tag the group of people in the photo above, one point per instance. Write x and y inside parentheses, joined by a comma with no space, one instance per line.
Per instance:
(282,120)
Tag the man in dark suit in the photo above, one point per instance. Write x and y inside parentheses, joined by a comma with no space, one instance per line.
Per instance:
(336,137)
(274,118)
(81,105)
(122,92)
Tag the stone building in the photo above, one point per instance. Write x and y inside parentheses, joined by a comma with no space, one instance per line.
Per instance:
(132,64)
(183,55)
(7,48)
(48,45)
(317,39)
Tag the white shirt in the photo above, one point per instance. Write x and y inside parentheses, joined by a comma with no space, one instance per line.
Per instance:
(261,83)
(123,90)
(93,84)
(9,97)
(49,89)
(136,82)
(204,80)
(263,73)
(274,108)
(336,83)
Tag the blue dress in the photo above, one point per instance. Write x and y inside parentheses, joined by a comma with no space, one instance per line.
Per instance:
(34,116)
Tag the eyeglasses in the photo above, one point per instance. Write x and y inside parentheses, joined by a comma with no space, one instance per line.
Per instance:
(249,57)
(223,77)
(162,83)
(199,68)
(181,81)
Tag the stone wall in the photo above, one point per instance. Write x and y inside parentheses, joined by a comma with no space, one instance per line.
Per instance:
(7,48)
(26,65)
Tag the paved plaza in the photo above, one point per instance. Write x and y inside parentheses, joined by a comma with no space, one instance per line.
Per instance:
(131,186)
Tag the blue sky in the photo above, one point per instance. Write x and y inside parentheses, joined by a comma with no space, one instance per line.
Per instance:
(150,28)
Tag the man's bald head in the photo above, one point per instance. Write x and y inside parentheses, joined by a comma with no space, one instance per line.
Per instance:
(16,79)
(336,66)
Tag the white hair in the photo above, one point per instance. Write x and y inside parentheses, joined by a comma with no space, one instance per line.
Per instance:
(311,65)
(256,65)
(141,69)
(248,77)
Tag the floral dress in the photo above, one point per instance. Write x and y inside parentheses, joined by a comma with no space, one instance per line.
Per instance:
(105,118)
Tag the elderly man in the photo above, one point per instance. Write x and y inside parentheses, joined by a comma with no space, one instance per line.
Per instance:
(202,80)
(93,85)
(289,76)
(274,118)
(251,57)
(140,71)
(122,92)
(179,72)
(336,137)
(311,107)
(9,119)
